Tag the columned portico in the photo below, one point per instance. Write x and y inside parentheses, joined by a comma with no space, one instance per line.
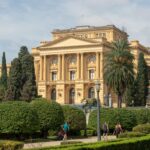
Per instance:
(67,67)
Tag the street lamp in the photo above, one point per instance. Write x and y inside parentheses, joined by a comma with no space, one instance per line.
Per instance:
(97,86)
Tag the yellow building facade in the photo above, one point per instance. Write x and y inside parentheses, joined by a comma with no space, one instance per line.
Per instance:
(67,67)
(8,69)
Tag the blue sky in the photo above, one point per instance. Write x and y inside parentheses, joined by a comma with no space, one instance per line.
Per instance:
(27,22)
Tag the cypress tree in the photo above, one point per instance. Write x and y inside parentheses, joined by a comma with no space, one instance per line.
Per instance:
(14,83)
(23,51)
(29,89)
(3,80)
(130,95)
(141,81)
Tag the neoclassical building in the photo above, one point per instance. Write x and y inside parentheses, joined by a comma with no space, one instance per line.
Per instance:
(67,66)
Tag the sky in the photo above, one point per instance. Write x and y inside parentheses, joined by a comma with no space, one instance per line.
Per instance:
(27,22)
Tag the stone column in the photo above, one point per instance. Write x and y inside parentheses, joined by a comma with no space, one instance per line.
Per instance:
(41,68)
(82,66)
(59,67)
(45,69)
(78,66)
(63,67)
(97,65)
(101,66)
(36,70)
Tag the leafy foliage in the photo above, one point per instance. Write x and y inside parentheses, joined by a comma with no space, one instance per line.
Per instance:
(118,68)
(136,143)
(130,95)
(22,84)
(14,83)
(142,115)
(143,128)
(130,134)
(142,82)
(29,90)
(50,115)
(3,79)
(11,145)
(23,51)
(75,117)
(112,117)
(18,117)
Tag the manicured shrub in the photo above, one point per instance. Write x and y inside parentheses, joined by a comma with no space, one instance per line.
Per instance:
(11,145)
(131,134)
(143,128)
(105,115)
(139,143)
(18,117)
(126,118)
(50,115)
(75,117)
(112,117)
(142,115)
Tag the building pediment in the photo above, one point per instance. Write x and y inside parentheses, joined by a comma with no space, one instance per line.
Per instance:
(68,41)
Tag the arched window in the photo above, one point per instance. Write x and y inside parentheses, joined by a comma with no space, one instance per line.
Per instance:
(91,92)
(91,59)
(71,96)
(53,95)
(72,59)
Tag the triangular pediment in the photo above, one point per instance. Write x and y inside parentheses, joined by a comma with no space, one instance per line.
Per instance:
(69,41)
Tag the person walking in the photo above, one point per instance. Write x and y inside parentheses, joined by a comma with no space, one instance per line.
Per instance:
(66,129)
(118,129)
(105,131)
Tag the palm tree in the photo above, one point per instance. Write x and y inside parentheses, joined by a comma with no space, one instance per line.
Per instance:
(118,68)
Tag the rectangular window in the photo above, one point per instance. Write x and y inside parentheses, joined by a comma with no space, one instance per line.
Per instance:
(91,74)
(72,75)
(54,76)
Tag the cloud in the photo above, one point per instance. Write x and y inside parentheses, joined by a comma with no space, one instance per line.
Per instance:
(26,22)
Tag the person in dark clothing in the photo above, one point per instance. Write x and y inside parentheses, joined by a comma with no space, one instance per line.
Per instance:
(105,131)
(61,134)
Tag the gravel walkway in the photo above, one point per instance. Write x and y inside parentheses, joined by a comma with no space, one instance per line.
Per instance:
(57,143)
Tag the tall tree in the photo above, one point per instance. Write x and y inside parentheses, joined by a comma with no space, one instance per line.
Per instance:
(23,51)
(130,94)
(14,83)
(3,79)
(118,68)
(29,89)
(142,81)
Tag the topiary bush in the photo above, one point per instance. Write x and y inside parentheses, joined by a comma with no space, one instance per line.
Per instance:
(131,134)
(142,115)
(143,128)
(126,118)
(75,117)
(50,115)
(11,145)
(18,118)
(112,116)
(105,115)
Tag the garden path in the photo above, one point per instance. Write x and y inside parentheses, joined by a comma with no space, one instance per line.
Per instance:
(57,143)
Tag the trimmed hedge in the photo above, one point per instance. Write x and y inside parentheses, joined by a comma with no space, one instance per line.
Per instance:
(142,115)
(112,117)
(11,145)
(18,117)
(143,128)
(50,115)
(124,144)
(75,117)
(130,134)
